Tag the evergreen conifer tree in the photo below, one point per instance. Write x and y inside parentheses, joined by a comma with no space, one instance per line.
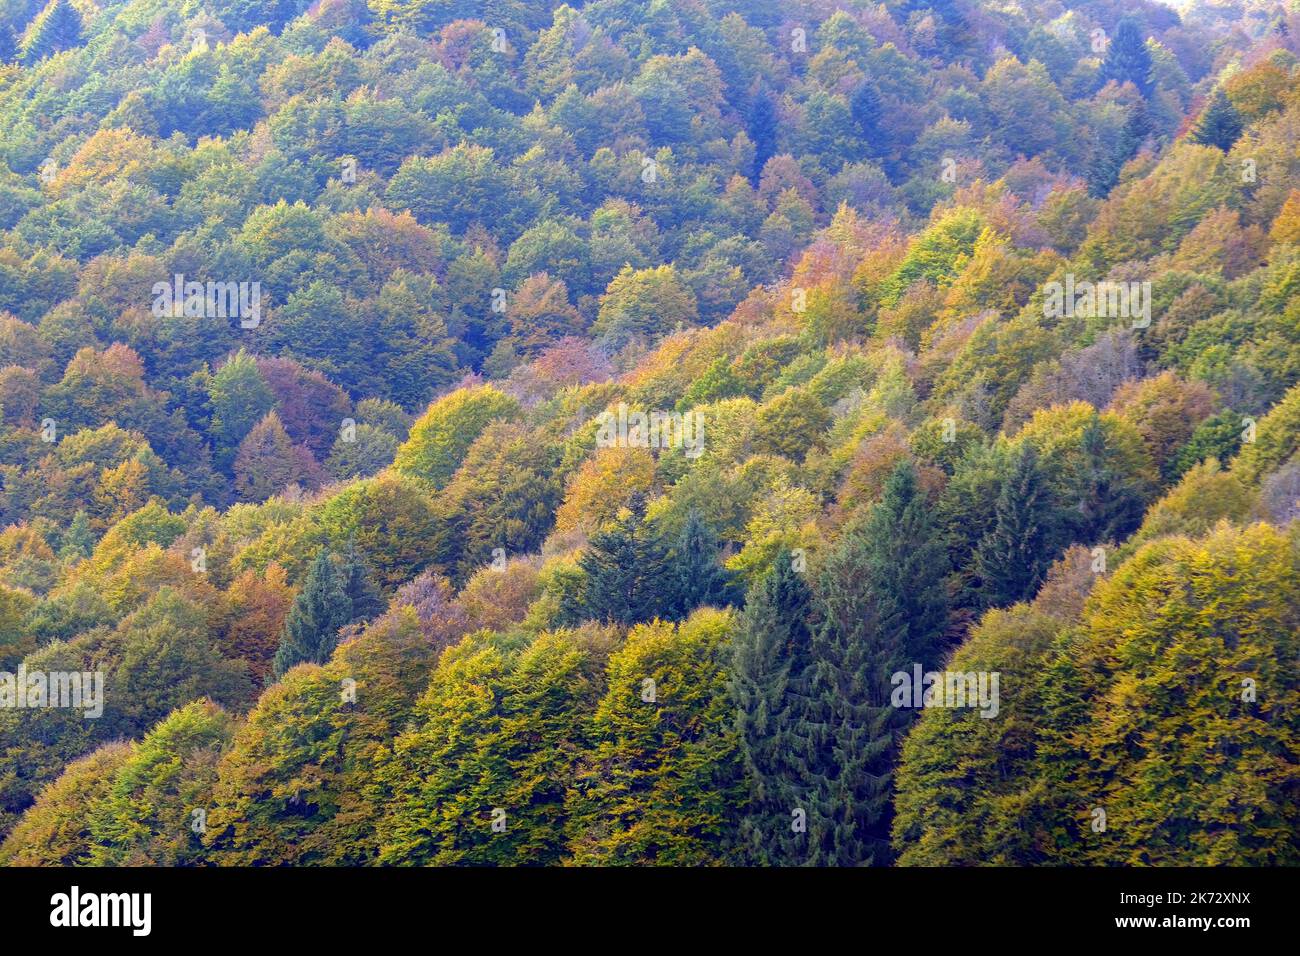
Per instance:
(762,130)
(320,609)
(8,44)
(770,657)
(1219,125)
(1127,58)
(79,540)
(882,607)
(626,571)
(865,108)
(359,584)
(700,578)
(1012,559)
(56,28)
(908,564)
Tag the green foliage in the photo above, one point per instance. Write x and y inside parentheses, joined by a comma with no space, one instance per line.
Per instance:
(1220,124)
(1127,59)
(56,28)
(337,591)
(770,668)
(440,438)
(482,777)
(626,576)
(147,817)
(660,782)
(1012,558)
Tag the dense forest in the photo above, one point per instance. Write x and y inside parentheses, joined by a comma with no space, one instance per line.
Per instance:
(538,433)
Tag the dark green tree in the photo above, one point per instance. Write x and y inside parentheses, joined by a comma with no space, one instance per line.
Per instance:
(56,28)
(1111,503)
(1127,58)
(770,658)
(882,607)
(762,130)
(700,579)
(320,609)
(1220,123)
(8,43)
(866,109)
(909,564)
(359,584)
(626,575)
(1111,153)
(79,540)
(1012,559)
(845,731)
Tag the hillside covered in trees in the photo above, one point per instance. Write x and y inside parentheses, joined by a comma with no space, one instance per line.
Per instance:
(537,433)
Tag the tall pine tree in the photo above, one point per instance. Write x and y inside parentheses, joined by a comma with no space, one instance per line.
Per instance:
(626,574)
(694,563)
(882,607)
(770,658)
(1012,559)
(866,109)
(56,28)
(762,130)
(1127,58)
(358,583)
(8,43)
(322,607)
(1219,125)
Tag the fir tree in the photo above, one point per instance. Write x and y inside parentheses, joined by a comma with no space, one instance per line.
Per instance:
(700,578)
(770,657)
(1220,124)
(865,109)
(625,571)
(8,44)
(79,540)
(1012,559)
(56,28)
(1112,503)
(882,607)
(909,564)
(1108,159)
(845,731)
(1127,58)
(359,585)
(320,609)
(762,130)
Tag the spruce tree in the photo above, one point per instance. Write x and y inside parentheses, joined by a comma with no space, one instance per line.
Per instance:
(770,657)
(865,109)
(762,130)
(8,44)
(56,28)
(1112,503)
(846,732)
(626,573)
(1108,159)
(1012,559)
(1127,59)
(882,607)
(79,540)
(694,563)
(909,564)
(359,585)
(1220,124)
(320,609)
